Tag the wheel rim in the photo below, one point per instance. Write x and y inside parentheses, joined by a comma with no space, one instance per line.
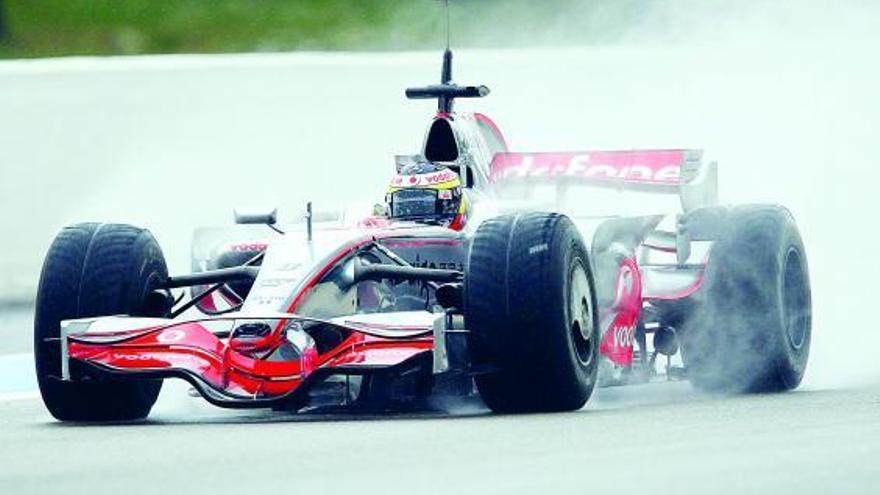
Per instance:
(795,310)
(580,310)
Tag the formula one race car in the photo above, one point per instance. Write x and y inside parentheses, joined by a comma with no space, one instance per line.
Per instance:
(526,278)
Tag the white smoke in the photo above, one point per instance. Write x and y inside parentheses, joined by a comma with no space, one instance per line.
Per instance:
(783,94)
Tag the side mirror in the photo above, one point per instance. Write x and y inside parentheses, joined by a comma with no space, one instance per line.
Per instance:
(682,247)
(348,273)
(255,216)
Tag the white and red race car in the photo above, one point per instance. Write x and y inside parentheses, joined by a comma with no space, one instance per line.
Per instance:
(558,281)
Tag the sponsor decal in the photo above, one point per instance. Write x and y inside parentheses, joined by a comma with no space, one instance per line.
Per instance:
(419,262)
(538,248)
(624,284)
(289,267)
(278,281)
(171,335)
(266,300)
(248,247)
(157,356)
(439,177)
(624,336)
(661,167)
(433,178)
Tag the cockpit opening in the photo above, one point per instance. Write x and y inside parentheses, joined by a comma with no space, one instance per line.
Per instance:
(440,145)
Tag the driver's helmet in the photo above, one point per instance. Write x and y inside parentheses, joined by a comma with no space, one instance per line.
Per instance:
(426,192)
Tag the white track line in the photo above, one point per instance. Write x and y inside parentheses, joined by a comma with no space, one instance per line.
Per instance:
(19,396)
(17,381)
(18,355)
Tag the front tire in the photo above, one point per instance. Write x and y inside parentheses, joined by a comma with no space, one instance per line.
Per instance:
(752,331)
(96,270)
(530,308)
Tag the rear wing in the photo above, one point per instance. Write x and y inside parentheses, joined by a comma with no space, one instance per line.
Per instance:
(680,172)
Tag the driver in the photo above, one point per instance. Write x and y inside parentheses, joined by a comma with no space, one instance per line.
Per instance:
(427,193)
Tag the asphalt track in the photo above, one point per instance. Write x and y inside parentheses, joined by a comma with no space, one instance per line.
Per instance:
(661,437)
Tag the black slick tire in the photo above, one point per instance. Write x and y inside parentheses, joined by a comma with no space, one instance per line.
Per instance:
(96,270)
(530,307)
(751,330)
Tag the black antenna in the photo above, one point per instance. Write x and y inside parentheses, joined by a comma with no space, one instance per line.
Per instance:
(446,71)
(446,92)
(448,44)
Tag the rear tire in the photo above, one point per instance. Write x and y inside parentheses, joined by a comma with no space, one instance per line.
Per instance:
(96,270)
(529,305)
(751,333)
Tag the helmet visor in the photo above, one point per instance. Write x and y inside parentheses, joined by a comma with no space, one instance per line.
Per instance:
(408,203)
